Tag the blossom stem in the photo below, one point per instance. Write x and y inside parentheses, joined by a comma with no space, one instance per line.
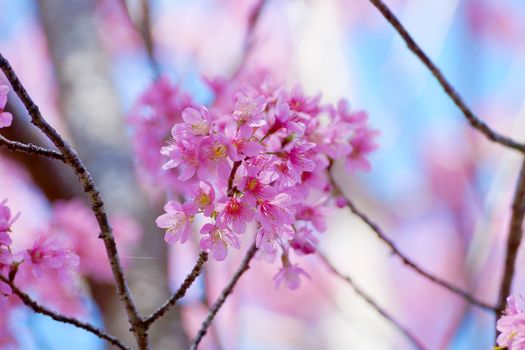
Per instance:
(407,261)
(224,295)
(36,307)
(188,281)
(473,120)
(29,148)
(236,166)
(97,204)
(368,299)
(513,241)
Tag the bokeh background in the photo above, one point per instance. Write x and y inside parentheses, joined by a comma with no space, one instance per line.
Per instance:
(437,188)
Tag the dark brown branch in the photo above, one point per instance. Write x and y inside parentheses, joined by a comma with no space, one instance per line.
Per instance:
(188,281)
(224,294)
(29,148)
(231,189)
(474,121)
(97,205)
(407,261)
(40,309)
(368,299)
(513,241)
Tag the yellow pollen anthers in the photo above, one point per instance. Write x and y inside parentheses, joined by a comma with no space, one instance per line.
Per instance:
(234,207)
(246,109)
(200,128)
(252,184)
(203,200)
(179,220)
(218,151)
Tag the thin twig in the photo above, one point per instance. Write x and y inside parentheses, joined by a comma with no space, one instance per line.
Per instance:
(36,307)
(97,204)
(407,261)
(214,334)
(513,241)
(29,148)
(249,37)
(222,298)
(368,299)
(188,281)
(474,121)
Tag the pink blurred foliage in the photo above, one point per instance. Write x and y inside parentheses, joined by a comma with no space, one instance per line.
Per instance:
(52,248)
(498,22)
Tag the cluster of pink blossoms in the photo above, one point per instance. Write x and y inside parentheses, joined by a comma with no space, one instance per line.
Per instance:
(61,253)
(5,117)
(512,326)
(258,157)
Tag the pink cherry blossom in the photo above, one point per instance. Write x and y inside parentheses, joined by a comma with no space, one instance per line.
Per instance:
(275,212)
(204,197)
(512,326)
(213,157)
(74,222)
(316,214)
(151,119)
(362,144)
(269,239)
(50,253)
(217,240)
(235,212)
(6,220)
(289,275)
(265,151)
(5,117)
(300,158)
(177,220)
(184,156)
(198,120)
(248,113)
(304,242)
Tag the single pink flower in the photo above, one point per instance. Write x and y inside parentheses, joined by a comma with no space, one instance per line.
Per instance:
(268,239)
(50,253)
(249,113)
(300,158)
(275,212)
(362,144)
(217,240)
(6,220)
(235,212)
(204,197)
(199,121)
(238,146)
(316,214)
(512,326)
(356,119)
(289,275)
(5,117)
(299,102)
(184,156)
(213,157)
(177,220)
(304,242)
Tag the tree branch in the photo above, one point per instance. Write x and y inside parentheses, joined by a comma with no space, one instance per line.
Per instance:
(368,299)
(222,298)
(473,120)
(188,281)
(29,148)
(407,261)
(97,204)
(40,309)
(513,241)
